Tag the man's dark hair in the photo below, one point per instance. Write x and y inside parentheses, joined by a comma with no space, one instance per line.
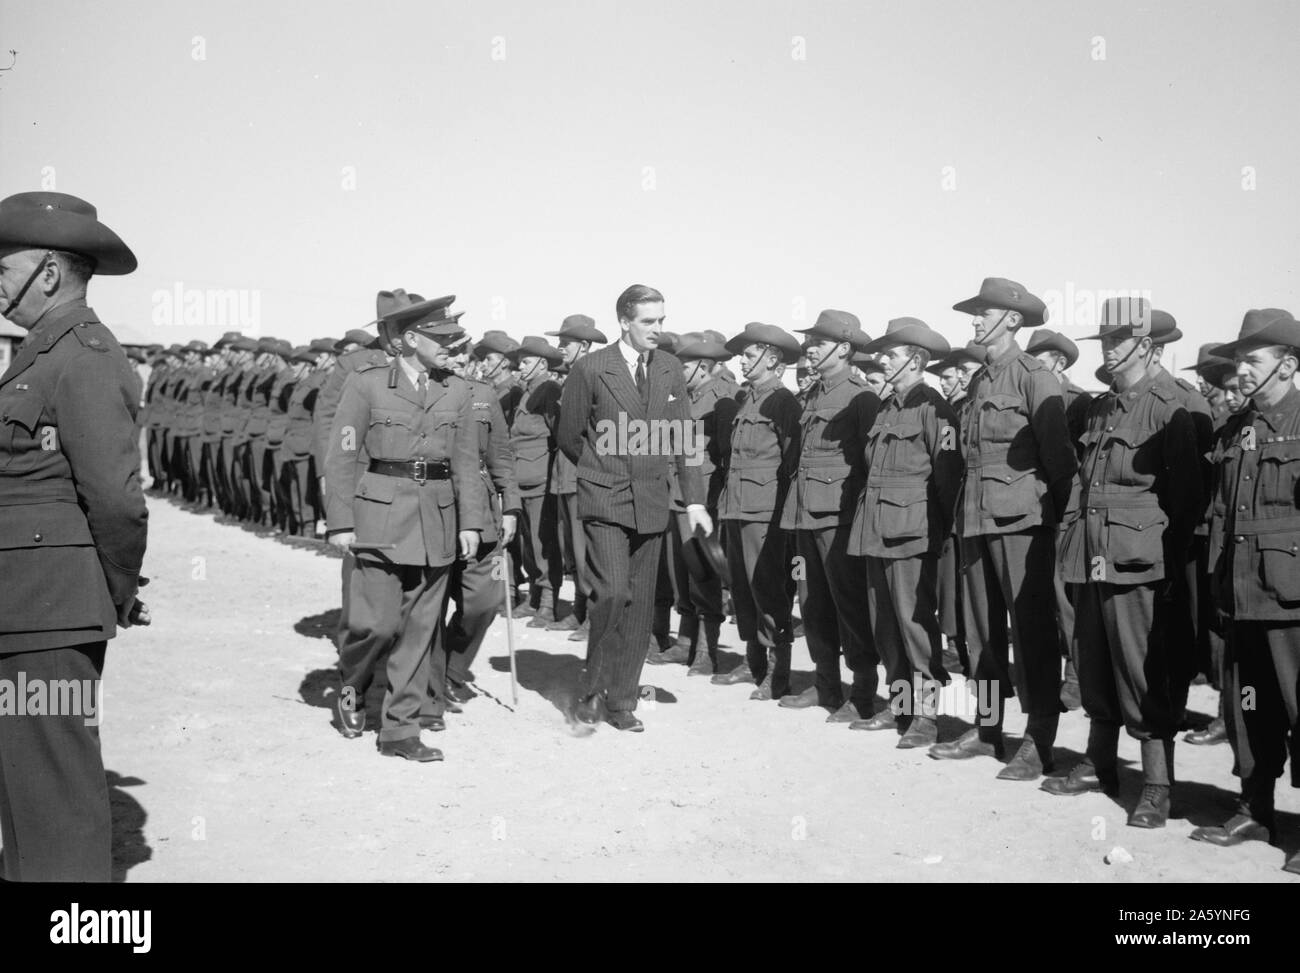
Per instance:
(625,307)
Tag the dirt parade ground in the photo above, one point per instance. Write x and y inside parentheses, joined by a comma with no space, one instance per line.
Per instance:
(224,765)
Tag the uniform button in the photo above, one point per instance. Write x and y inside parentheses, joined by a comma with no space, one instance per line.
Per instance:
(1239,538)
(1110,428)
(1092,510)
(1096,483)
(1247,476)
(1242,507)
(37,537)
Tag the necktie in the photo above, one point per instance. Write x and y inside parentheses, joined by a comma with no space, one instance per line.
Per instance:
(424,389)
(640,375)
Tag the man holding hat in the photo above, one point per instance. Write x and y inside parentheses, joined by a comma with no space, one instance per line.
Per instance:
(73,536)
(902,518)
(1141,497)
(623,497)
(829,475)
(762,457)
(414,420)
(1254,545)
(532,437)
(1057,353)
(1020,465)
(576,336)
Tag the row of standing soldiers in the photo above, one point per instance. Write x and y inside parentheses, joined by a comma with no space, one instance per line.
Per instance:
(1118,542)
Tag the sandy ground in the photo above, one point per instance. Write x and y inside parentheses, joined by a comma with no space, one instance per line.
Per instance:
(218,740)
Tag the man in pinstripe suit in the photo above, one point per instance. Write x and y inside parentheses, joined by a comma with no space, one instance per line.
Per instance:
(623,496)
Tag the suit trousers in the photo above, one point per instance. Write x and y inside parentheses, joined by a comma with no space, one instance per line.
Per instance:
(1064,610)
(574,537)
(55,823)
(623,564)
(1263,660)
(396,608)
(1121,650)
(835,615)
(901,596)
(949,591)
(759,569)
(538,542)
(479,600)
(1184,623)
(1013,572)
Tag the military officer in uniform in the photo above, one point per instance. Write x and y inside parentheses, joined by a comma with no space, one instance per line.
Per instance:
(901,519)
(414,420)
(818,511)
(1254,546)
(1140,499)
(1020,466)
(1058,353)
(762,459)
(73,534)
(576,336)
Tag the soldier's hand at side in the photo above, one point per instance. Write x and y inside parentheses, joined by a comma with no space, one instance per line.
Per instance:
(509,524)
(132,613)
(697,516)
(468,544)
(343,540)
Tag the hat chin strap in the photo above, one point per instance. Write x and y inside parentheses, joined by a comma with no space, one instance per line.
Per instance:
(988,338)
(31,279)
(1120,364)
(1267,378)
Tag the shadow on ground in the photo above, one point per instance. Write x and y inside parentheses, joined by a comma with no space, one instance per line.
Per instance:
(129,845)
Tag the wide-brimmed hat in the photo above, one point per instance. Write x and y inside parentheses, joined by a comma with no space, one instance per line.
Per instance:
(57,221)
(704,351)
(497,341)
(304,353)
(911,331)
(833,325)
(1123,317)
(225,339)
(1266,326)
(320,345)
(766,334)
(705,559)
(1045,339)
(356,336)
(867,364)
(1164,329)
(243,343)
(1006,295)
(1208,357)
(668,341)
(536,347)
(579,327)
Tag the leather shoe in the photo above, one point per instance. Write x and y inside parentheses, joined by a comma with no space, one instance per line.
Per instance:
(624,720)
(806,700)
(737,675)
(1237,830)
(1152,809)
(923,732)
(1026,764)
(434,723)
(409,748)
(352,722)
(884,720)
(459,692)
(966,746)
(1083,778)
(587,709)
(451,706)
(580,633)
(848,713)
(568,623)
(1293,864)
(675,654)
(1216,732)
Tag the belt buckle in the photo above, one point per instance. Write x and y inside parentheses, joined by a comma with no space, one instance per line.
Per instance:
(420,471)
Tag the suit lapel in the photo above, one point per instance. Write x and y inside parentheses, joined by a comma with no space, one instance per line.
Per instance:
(404,389)
(619,380)
(661,382)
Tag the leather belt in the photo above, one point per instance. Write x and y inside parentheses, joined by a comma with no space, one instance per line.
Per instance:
(418,470)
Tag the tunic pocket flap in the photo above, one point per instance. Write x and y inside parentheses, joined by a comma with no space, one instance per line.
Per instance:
(1286,542)
(43,525)
(22,409)
(1136,518)
(903,430)
(377,487)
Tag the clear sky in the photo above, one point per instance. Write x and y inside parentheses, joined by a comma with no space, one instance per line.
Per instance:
(753,160)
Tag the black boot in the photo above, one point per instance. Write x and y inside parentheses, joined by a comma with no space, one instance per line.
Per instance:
(706,647)
(1252,820)
(1097,771)
(1152,809)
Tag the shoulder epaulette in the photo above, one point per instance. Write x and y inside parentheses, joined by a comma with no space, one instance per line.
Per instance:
(91,335)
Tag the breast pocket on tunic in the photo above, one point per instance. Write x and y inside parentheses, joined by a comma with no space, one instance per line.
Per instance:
(1001,418)
(22,433)
(1279,477)
(906,453)
(390,434)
